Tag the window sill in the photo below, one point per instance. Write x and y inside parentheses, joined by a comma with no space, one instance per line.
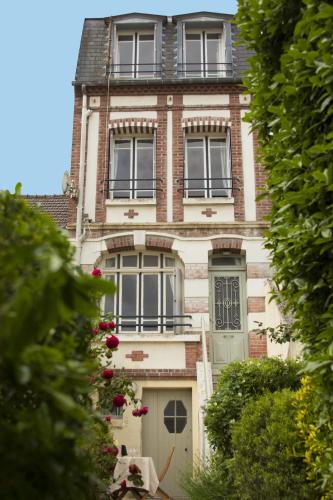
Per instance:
(128,201)
(158,337)
(208,201)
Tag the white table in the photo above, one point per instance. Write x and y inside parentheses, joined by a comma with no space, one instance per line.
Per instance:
(148,473)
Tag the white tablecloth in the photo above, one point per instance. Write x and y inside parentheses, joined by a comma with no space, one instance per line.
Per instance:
(148,473)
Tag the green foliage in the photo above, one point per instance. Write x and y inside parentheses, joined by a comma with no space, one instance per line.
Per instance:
(240,382)
(268,459)
(45,308)
(291,79)
(214,480)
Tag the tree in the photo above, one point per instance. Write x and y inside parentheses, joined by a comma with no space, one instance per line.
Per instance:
(291,80)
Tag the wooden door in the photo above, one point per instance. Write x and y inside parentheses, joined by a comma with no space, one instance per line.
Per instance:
(227,317)
(169,423)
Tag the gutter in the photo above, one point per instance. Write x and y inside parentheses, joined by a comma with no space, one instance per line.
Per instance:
(79,235)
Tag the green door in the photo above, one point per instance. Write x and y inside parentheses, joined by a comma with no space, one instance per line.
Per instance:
(168,424)
(227,317)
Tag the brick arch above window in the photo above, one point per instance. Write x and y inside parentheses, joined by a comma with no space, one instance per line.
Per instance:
(128,126)
(233,244)
(205,124)
(118,243)
(159,243)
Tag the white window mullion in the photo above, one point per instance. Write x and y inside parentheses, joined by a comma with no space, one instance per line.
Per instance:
(133,167)
(206,170)
(209,180)
(203,50)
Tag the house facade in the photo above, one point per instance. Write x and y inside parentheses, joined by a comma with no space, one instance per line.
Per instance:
(165,174)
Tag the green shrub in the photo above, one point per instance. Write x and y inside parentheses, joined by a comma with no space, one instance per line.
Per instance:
(268,456)
(45,308)
(213,481)
(240,382)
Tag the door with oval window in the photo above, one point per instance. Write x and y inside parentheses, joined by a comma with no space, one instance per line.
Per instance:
(168,424)
(227,310)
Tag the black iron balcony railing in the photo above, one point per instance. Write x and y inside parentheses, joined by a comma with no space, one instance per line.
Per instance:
(146,323)
(207,187)
(132,188)
(205,70)
(140,70)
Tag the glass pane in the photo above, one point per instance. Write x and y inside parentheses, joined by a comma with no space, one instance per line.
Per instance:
(195,168)
(169,300)
(193,48)
(170,424)
(146,56)
(169,262)
(125,55)
(129,301)
(226,261)
(227,303)
(130,261)
(109,299)
(169,410)
(180,424)
(110,262)
(219,173)
(213,64)
(145,168)
(150,301)
(121,170)
(180,409)
(150,261)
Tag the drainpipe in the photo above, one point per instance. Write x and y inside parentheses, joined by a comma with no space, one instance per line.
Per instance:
(79,236)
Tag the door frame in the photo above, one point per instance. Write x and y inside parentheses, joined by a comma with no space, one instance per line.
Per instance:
(228,270)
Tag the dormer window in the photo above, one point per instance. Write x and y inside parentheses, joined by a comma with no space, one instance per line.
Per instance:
(135,55)
(203,54)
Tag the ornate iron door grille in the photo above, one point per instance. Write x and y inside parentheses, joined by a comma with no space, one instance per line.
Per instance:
(227,303)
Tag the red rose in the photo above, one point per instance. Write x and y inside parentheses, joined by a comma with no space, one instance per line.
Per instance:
(108,418)
(112,342)
(107,374)
(96,272)
(136,413)
(103,325)
(144,410)
(123,485)
(119,401)
(112,325)
(134,469)
(114,450)
(95,331)
(106,450)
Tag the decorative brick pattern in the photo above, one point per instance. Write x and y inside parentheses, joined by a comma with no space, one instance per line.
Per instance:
(256,304)
(131,213)
(162,374)
(236,157)
(137,356)
(220,244)
(159,243)
(209,212)
(257,345)
(196,271)
(196,305)
(258,270)
(263,206)
(193,353)
(120,243)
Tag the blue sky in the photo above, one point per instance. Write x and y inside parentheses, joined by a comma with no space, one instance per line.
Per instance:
(39,42)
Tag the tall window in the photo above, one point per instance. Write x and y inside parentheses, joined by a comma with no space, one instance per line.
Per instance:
(203,54)
(207,172)
(132,171)
(135,55)
(149,292)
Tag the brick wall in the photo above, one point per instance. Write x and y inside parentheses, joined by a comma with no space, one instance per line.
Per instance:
(257,345)
(177,91)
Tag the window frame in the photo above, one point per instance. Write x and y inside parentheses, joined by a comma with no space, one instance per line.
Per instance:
(208,185)
(135,64)
(161,271)
(203,32)
(133,178)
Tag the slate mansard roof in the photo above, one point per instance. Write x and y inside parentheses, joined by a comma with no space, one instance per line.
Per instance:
(96,50)
(56,205)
